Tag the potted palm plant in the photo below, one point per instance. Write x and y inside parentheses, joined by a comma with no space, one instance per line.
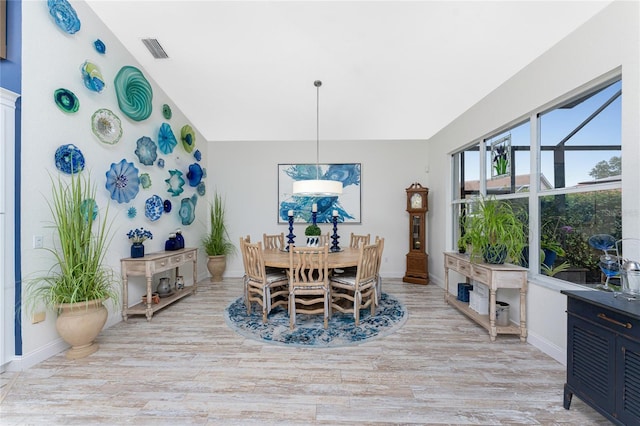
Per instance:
(78,283)
(217,243)
(494,231)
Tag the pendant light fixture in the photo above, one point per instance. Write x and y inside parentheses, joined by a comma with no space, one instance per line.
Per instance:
(317,187)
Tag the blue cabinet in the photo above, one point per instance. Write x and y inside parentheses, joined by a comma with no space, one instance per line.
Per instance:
(603,354)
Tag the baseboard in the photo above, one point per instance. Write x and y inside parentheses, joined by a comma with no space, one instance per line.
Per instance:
(554,351)
(43,353)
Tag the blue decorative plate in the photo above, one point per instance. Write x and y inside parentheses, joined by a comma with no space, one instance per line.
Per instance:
(166,139)
(87,205)
(175,182)
(69,159)
(167,206)
(123,182)
(188,209)
(64,15)
(153,208)
(100,46)
(146,151)
(194,175)
(92,76)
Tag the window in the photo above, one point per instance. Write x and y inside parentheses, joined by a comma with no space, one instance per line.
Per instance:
(576,184)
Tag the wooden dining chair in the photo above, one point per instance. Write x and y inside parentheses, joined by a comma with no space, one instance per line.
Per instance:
(267,289)
(273,241)
(355,241)
(380,242)
(309,290)
(243,241)
(350,293)
(324,240)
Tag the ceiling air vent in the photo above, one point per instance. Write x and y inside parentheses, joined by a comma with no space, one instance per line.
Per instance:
(155,48)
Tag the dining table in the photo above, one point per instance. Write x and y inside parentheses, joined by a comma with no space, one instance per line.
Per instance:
(344,258)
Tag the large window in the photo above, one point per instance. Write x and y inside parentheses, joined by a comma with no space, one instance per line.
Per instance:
(575,186)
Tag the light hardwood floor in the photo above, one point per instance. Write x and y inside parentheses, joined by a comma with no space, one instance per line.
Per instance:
(187,367)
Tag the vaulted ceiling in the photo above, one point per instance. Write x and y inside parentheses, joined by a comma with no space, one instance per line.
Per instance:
(390,69)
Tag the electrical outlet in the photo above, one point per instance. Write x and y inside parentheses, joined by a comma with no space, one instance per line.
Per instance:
(37,241)
(38,317)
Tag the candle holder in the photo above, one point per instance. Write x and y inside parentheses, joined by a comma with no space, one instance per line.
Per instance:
(335,237)
(290,237)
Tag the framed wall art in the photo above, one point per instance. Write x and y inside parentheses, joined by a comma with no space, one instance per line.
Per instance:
(501,157)
(347,205)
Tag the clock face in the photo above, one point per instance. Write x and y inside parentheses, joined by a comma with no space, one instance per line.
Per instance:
(416,201)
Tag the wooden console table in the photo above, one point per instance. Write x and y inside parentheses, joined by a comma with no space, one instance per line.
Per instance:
(149,265)
(495,277)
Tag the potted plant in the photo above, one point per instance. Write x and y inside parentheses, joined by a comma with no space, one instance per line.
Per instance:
(217,243)
(494,231)
(550,243)
(313,232)
(78,283)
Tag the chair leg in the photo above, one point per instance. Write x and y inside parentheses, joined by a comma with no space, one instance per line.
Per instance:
(292,311)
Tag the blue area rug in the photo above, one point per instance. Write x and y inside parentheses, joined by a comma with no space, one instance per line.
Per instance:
(389,317)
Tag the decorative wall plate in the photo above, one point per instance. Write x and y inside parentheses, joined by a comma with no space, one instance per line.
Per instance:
(167,206)
(166,139)
(106,126)
(100,46)
(161,163)
(134,93)
(175,182)
(64,15)
(123,182)
(66,100)
(153,208)
(146,151)
(188,138)
(92,76)
(166,112)
(89,205)
(69,159)
(201,189)
(145,180)
(194,174)
(132,212)
(197,155)
(188,209)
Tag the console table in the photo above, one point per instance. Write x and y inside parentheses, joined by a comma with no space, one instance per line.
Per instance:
(149,265)
(495,277)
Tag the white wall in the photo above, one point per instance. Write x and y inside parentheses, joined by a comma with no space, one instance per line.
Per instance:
(52,59)
(246,172)
(606,42)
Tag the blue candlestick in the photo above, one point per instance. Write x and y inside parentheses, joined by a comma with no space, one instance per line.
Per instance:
(335,237)
(314,216)
(290,237)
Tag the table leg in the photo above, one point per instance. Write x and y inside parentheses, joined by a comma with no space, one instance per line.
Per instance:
(446,284)
(195,273)
(149,311)
(125,296)
(492,314)
(523,314)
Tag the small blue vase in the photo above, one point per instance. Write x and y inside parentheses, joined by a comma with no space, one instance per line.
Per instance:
(137,250)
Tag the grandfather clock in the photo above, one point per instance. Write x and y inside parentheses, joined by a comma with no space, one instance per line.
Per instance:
(417,206)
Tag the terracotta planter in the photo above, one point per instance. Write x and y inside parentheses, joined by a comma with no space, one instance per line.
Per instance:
(216,266)
(79,324)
